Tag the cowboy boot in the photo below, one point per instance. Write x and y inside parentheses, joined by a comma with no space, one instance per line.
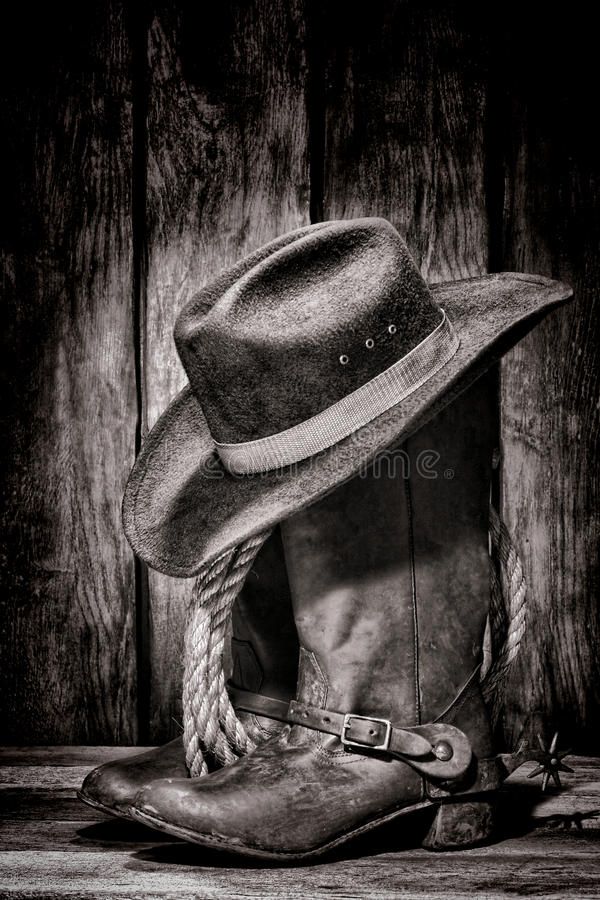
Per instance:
(390,586)
(264,657)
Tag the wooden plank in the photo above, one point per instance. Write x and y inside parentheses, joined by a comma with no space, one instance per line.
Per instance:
(58,805)
(67,593)
(54,768)
(95,834)
(577,803)
(89,757)
(404,128)
(47,777)
(227,171)
(545,71)
(549,865)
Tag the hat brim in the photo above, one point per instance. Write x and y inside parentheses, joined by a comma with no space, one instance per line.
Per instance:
(181,508)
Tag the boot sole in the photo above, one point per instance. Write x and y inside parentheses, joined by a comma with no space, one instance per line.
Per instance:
(110,810)
(216,843)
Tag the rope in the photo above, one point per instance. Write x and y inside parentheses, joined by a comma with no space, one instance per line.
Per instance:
(210,725)
(507,610)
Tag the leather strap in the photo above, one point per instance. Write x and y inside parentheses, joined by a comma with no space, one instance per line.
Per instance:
(258,704)
(437,750)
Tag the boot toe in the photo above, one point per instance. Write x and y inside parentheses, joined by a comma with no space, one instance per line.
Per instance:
(113,786)
(107,789)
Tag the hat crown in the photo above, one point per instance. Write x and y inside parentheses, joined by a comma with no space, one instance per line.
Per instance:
(301,324)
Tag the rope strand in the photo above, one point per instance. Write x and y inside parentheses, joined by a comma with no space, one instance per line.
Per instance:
(210,723)
(508,607)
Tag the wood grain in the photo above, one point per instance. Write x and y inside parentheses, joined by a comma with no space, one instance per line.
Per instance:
(64,755)
(550,383)
(562,868)
(67,595)
(227,171)
(54,846)
(404,127)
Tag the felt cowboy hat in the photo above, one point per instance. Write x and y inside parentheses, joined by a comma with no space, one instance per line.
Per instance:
(305,361)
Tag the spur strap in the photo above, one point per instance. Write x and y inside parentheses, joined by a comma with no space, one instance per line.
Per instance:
(437,750)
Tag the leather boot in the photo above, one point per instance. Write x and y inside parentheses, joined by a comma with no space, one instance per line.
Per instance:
(390,587)
(264,657)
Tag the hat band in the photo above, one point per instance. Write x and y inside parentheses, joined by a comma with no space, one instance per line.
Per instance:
(347,415)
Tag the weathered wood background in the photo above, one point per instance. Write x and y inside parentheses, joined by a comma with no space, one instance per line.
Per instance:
(144,151)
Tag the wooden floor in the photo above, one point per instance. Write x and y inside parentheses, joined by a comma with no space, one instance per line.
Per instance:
(52,846)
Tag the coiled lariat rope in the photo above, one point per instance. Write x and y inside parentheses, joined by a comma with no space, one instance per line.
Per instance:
(211,726)
(507,613)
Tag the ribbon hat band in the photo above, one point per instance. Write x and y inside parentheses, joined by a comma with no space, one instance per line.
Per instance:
(347,415)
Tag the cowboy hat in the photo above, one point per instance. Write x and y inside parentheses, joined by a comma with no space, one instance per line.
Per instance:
(305,361)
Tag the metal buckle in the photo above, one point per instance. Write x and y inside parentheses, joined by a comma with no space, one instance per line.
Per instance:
(348,723)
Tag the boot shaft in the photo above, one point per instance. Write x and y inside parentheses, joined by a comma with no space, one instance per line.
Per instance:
(390,574)
(264,640)
(450,530)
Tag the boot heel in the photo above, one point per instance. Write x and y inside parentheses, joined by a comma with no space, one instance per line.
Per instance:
(458,825)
